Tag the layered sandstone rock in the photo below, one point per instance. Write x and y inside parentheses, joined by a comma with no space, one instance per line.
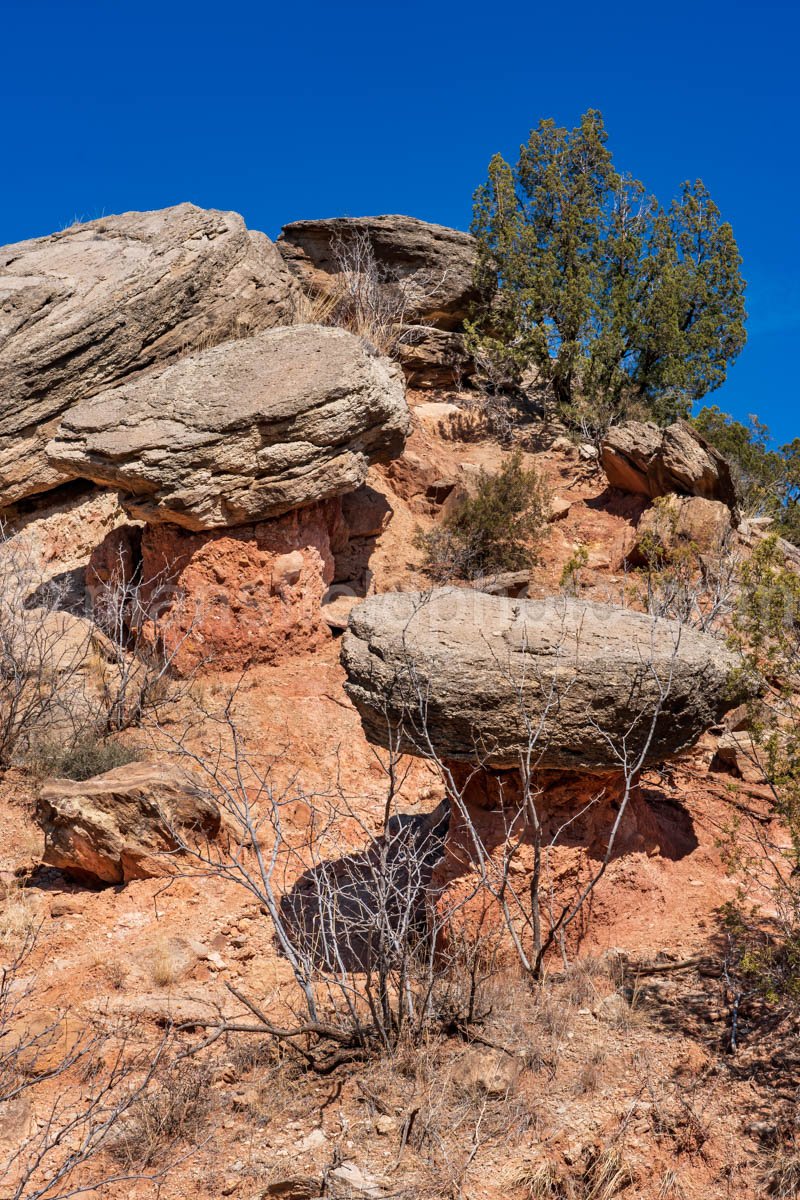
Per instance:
(639,457)
(125,824)
(243,432)
(99,302)
(470,676)
(434,263)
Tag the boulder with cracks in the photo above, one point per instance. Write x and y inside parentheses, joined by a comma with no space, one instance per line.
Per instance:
(126,824)
(85,308)
(243,432)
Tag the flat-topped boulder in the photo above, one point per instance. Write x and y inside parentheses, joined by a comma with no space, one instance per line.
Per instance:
(102,301)
(477,678)
(243,432)
(129,823)
(434,263)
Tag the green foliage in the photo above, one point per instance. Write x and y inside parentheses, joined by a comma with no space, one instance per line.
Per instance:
(497,529)
(767,480)
(80,758)
(570,581)
(615,301)
(766,632)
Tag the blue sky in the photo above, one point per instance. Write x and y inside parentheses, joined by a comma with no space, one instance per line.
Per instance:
(318,109)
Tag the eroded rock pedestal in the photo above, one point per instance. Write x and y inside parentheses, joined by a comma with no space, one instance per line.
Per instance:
(577,813)
(536,711)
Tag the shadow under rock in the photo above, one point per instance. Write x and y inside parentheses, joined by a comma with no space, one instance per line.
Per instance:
(346,914)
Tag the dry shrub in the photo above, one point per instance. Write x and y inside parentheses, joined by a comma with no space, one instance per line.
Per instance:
(368,299)
(607,1173)
(541,1181)
(167,962)
(174,1111)
(82,758)
(591,1073)
(783,1177)
(18,915)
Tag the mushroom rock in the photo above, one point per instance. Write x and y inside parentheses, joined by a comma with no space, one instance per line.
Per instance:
(243,432)
(109,299)
(480,672)
(477,681)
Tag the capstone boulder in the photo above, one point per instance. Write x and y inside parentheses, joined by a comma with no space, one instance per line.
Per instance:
(484,679)
(243,432)
(103,301)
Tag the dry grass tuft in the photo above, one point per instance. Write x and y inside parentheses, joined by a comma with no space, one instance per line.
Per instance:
(783,1178)
(175,1111)
(607,1174)
(541,1181)
(167,962)
(18,915)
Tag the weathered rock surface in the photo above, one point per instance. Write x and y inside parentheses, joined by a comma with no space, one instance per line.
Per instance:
(434,262)
(486,669)
(639,457)
(243,432)
(434,358)
(98,302)
(122,825)
(674,521)
(248,595)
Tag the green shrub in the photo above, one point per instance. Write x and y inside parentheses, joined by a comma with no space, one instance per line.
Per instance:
(767,477)
(82,758)
(500,528)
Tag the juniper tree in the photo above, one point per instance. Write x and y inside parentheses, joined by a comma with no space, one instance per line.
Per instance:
(611,298)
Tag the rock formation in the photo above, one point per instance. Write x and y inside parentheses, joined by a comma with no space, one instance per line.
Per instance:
(674,521)
(640,457)
(475,674)
(245,595)
(243,432)
(99,302)
(433,265)
(124,824)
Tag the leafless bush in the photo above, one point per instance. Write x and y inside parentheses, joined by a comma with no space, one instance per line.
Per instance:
(368,299)
(65,1089)
(44,653)
(679,583)
(148,624)
(352,909)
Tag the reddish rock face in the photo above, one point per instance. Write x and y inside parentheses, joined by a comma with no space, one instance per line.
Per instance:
(577,812)
(241,596)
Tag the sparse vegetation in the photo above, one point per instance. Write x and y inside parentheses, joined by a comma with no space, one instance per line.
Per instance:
(499,528)
(367,299)
(767,477)
(82,758)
